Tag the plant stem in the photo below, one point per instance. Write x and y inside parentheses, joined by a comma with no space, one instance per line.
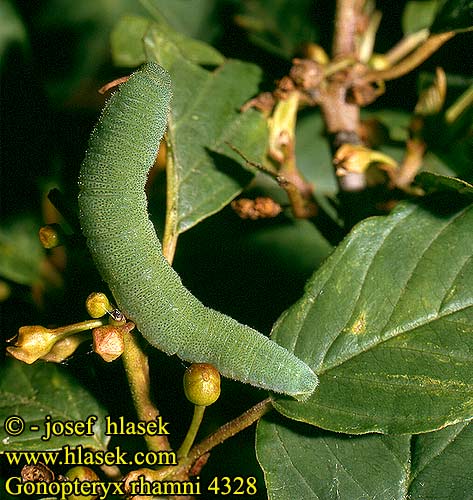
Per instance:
(192,432)
(135,360)
(346,17)
(406,65)
(341,118)
(88,324)
(181,471)
(295,188)
(282,133)
(170,228)
(228,430)
(136,366)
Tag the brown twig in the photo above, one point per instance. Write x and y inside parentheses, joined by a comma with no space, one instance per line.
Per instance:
(182,471)
(302,208)
(346,20)
(113,84)
(229,429)
(136,366)
(342,118)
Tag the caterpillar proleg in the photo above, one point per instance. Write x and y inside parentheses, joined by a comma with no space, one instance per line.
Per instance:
(127,252)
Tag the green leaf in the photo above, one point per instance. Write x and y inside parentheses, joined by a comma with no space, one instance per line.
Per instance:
(278,26)
(454,15)
(387,325)
(126,41)
(34,391)
(313,154)
(12,29)
(205,174)
(441,464)
(431,182)
(128,49)
(195,18)
(305,462)
(419,14)
(21,253)
(314,160)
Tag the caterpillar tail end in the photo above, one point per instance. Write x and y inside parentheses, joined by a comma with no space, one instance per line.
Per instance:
(308,382)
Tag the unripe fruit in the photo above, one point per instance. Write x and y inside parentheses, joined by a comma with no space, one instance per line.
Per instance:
(202,384)
(83,474)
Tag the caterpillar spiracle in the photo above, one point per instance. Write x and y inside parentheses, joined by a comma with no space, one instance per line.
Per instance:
(128,254)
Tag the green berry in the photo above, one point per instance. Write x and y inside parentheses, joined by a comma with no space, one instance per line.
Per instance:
(202,384)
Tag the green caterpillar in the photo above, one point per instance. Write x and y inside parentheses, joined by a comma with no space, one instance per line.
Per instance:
(127,252)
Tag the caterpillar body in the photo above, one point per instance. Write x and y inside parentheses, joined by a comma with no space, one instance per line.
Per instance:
(128,254)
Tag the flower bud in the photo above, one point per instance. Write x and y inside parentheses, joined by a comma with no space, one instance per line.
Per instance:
(97,305)
(65,348)
(378,62)
(306,73)
(202,384)
(33,342)
(316,53)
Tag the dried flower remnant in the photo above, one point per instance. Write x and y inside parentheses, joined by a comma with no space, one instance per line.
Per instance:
(108,340)
(261,207)
(51,236)
(37,472)
(353,158)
